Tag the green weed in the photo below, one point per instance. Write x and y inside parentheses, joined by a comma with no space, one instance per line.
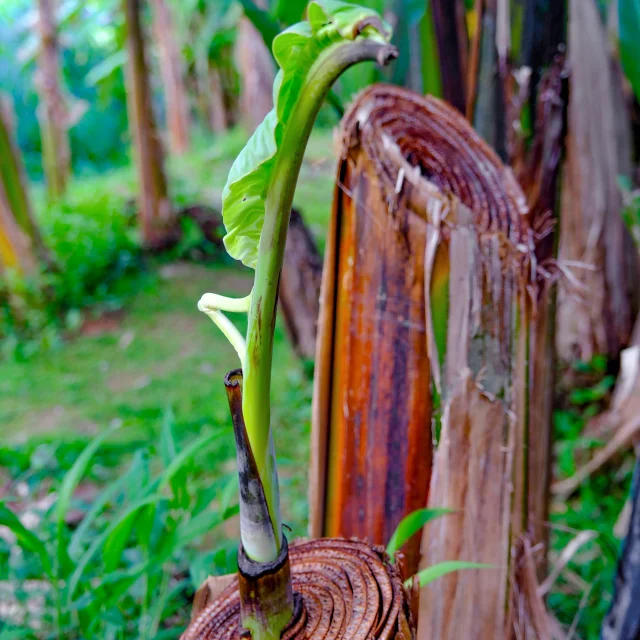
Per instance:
(124,567)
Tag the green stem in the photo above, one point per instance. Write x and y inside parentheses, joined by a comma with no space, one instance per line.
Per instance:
(262,313)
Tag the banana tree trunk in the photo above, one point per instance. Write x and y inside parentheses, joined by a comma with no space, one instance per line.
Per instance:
(52,111)
(434,326)
(486,81)
(157,220)
(16,250)
(178,117)
(371,439)
(20,242)
(217,107)
(599,301)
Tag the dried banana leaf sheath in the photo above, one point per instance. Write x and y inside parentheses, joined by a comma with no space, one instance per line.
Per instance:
(426,210)
(372,405)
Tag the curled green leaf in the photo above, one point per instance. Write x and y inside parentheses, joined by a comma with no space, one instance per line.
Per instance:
(296,50)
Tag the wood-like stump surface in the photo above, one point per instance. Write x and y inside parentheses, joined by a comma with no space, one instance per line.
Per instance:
(345,590)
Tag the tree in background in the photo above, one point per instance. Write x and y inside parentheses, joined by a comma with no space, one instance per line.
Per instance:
(256,72)
(20,242)
(597,308)
(52,113)
(178,116)
(155,209)
(208,34)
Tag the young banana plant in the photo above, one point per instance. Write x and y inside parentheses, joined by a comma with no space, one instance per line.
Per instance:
(257,201)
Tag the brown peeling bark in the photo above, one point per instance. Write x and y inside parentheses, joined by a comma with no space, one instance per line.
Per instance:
(157,220)
(538,172)
(431,281)
(599,302)
(178,117)
(481,466)
(470,458)
(52,112)
(371,438)
(345,590)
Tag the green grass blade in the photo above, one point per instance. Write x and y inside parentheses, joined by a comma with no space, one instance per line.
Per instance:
(199,445)
(81,567)
(116,542)
(203,523)
(168,593)
(168,449)
(428,575)
(14,634)
(410,525)
(26,539)
(100,502)
(69,485)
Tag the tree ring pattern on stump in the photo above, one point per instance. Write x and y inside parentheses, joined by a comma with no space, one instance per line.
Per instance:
(437,142)
(345,590)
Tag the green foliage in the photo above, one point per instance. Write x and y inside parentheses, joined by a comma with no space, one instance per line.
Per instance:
(410,13)
(295,51)
(94,248)
(631,210)
(92,235)
(119,573)
(288,11)
(104,69)
(629,25)
(584,588)
(430,574)
(89,37)
(410,525)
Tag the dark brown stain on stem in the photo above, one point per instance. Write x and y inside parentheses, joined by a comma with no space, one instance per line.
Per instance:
(254,512)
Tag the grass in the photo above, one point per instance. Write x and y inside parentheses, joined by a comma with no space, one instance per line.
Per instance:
(129,367)
(132,349)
